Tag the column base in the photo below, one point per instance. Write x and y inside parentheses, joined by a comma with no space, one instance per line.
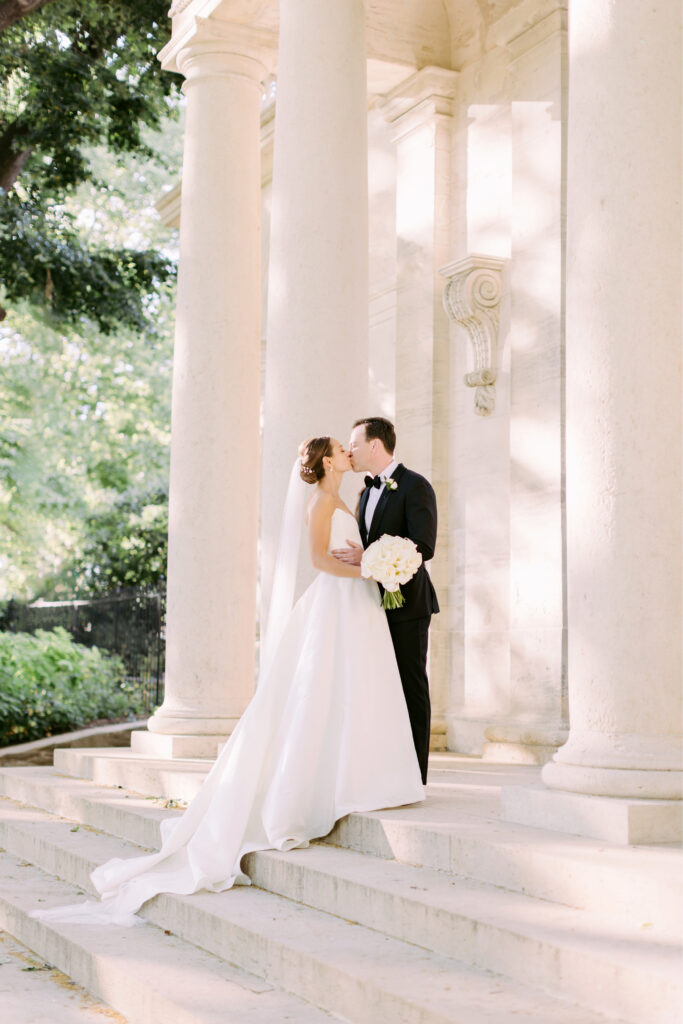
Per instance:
(636,783)
(155,744)
(522,744)
(170,722)
(438,737)
(517,753)
(623,821)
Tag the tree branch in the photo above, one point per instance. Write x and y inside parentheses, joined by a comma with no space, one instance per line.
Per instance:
(11,160)
(10,171)
(14,10)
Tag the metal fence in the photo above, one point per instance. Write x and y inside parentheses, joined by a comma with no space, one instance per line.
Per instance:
(129,623)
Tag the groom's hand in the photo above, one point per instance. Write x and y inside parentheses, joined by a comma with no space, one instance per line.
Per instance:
(351,555)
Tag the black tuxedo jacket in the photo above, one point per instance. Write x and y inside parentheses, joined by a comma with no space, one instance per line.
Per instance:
(409,511)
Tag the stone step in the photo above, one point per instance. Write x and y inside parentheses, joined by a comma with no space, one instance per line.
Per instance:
(583,957)
(553,948)
(340,966)
(629,884)
(147,975)
(181,777)
(178,779)
(115,811)
(634,885)
(33,991)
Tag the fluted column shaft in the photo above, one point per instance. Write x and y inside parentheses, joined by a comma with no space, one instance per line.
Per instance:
(624,429)
(213,515)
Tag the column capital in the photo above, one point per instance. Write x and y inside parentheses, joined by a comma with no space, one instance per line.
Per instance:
(528,25)
(472,298)
(214,47)
(527,42)
(428,93)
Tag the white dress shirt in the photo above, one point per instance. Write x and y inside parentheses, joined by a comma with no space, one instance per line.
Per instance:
(376,493)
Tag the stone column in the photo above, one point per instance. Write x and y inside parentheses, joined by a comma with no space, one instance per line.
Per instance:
(535,724)
(419,111)
(624,430)
(213,513)
(316,336)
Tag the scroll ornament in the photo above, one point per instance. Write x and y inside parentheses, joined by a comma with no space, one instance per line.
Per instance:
(472,299)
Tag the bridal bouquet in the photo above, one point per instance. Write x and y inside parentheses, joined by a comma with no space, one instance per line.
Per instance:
(391,561)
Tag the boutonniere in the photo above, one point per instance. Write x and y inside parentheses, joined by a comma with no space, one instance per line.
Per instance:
(390,484)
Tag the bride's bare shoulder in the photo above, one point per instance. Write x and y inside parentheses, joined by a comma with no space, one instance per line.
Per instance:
(320,505)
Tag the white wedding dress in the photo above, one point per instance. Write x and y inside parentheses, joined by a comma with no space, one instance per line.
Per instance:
(326,733)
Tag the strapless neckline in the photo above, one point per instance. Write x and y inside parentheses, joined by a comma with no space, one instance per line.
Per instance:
(344,512)
(341,530)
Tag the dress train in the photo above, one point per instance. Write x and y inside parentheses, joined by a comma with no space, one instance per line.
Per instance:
(326,733)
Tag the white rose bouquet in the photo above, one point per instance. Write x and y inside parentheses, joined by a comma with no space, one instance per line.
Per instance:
(391,561)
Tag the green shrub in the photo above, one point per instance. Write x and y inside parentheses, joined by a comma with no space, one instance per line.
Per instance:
(49,684)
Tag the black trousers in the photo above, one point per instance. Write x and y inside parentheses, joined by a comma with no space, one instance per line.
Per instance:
(410,644)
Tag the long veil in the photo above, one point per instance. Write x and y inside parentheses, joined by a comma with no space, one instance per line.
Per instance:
(286,566)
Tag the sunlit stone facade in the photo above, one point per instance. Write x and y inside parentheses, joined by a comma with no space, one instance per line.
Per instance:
(450,236)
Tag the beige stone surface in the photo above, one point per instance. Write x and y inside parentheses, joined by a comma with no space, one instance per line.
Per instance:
(624,430)
(395,912)
(214,448)
(34,992)
(317,320)
(552,538)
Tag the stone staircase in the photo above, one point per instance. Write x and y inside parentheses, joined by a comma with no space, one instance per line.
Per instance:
(439,913)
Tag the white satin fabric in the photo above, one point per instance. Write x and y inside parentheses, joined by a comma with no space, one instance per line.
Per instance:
(326,733)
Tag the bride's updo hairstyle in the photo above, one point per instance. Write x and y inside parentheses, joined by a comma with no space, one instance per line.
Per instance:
(312,453)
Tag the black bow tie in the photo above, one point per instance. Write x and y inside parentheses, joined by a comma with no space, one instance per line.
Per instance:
(373,481)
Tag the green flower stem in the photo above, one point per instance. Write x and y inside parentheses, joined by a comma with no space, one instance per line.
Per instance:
(392,599)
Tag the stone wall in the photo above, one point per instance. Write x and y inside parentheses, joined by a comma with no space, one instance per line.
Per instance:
(461,163)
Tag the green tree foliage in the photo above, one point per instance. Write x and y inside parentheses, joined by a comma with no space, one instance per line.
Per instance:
(76,76)
(125,547)
(84,391)
(84,448)
(84,417)
(50,684)
(43,259)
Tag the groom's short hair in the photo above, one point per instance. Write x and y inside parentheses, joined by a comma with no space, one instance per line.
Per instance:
(383,430)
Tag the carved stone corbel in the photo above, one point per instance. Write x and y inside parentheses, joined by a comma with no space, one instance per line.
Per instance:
(472,299)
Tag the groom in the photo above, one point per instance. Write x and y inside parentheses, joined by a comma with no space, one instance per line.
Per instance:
(402,503)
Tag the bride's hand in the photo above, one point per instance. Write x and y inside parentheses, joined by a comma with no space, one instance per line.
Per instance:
(351,555)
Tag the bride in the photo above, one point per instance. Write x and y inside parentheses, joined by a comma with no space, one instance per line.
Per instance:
(326,733)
